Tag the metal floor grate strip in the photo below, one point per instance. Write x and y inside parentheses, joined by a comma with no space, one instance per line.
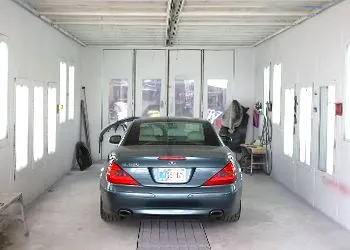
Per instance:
(172,235)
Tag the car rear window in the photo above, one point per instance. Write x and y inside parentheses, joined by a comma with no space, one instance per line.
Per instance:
(171,133)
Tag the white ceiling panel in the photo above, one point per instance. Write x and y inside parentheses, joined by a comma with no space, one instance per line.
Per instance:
(174,22)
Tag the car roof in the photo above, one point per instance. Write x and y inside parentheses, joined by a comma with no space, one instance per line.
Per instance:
(170,119)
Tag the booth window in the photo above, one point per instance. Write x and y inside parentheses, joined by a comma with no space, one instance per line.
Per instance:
(51,120)
(22,126)
(327,129)
(289,122)
(276,100)
(266,87)
(347,108)
(3,89)
(38,124)
(71,92)
(63,92)
(305,125)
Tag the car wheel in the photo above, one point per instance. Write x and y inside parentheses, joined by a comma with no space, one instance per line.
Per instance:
(233,217)
(107,217)
(83,156)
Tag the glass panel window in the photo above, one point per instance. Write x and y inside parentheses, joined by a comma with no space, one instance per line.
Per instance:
(71,80)
(51,120)
(305,125)
(217,90)
(330,129)
(289,122)
(266,87)
(118,100)
(22,116)
(347,108)
(38,124)
(151,101)
(327,129)
(63,92)
(3,89)
(173,133)
(276,102)
(184,98)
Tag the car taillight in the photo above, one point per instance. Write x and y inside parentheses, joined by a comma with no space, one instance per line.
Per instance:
(226,176)
(172,158)
(116,175)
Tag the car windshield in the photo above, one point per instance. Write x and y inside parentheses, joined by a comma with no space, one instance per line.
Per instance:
(171,133)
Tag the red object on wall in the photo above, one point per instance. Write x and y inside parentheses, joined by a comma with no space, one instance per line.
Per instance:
(339,109)
(256,117)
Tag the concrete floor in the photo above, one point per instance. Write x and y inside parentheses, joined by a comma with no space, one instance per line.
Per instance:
(67,218)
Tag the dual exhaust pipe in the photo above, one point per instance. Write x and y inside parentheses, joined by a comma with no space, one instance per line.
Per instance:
(124,213)
(216,213)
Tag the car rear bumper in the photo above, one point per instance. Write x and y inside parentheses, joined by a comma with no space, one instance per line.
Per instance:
(171,201)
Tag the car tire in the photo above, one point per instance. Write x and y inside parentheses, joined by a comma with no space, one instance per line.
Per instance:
(83,156)
(107,217)
(233,217)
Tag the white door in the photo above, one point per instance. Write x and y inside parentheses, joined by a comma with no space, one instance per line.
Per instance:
(217,85)
(151,83)
(117,91)
(184,83)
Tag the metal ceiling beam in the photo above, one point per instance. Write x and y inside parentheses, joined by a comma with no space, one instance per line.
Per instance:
(254,4)
(167,20)
(102,13)
(299,21)
(116,23)
(199,23)
(175,11)
(251,2)
(127,38)
(234,23)
(48,21)
(243,13)
(109,46)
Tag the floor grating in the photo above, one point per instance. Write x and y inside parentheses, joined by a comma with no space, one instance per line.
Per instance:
(172,235)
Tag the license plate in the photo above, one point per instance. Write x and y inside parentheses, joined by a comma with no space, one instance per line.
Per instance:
(172,175)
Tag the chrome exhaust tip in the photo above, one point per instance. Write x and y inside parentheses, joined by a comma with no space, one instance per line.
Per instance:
(216,213)
(124,213)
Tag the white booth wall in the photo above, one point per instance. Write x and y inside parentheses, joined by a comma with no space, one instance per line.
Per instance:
(312,55)
(34,53)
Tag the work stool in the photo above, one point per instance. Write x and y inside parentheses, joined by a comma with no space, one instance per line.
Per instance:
(6,201)
(253,157)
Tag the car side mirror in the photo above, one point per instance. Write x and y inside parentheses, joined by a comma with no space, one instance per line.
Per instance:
(115,139)
(226,139)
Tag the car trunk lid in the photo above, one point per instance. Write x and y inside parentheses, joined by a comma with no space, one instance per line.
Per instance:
(171,166)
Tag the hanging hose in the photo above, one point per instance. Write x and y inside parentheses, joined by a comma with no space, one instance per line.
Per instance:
(266,140)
